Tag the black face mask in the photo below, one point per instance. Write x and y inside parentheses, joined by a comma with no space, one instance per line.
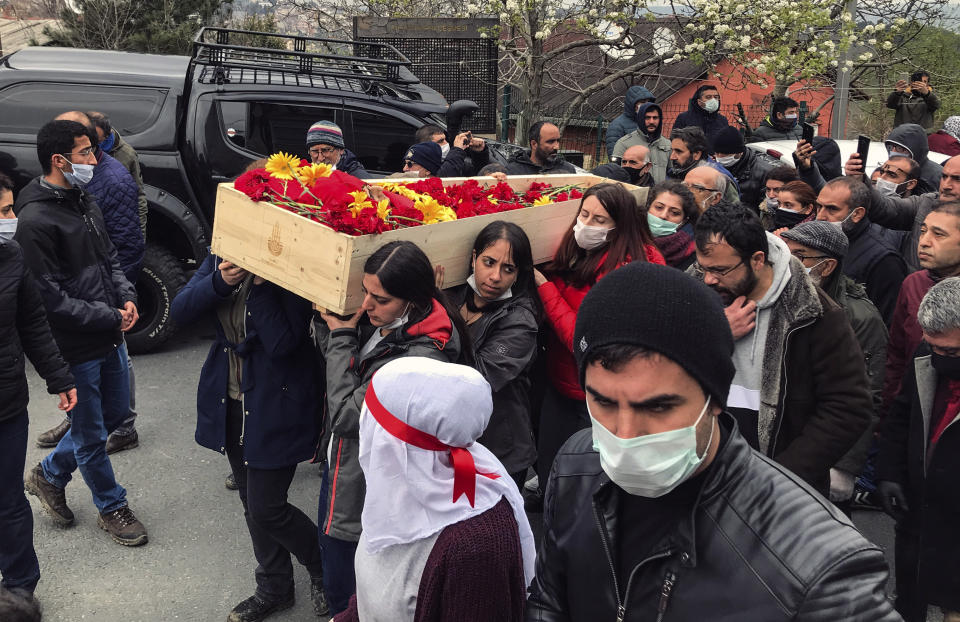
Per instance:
(786,218)
(946,366)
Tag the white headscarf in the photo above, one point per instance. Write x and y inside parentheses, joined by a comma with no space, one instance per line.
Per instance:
(410,490)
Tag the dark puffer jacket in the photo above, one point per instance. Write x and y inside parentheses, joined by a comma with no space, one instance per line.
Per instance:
(116,193)
(521,164)
(759,545)
(282,414)
(70,255)
(350,164)
(505,347)
(710,122)
(627,121)
(914,138)
(749,171)
(770,130)
(24,329)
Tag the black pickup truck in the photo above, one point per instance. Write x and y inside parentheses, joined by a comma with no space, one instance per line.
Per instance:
(200,120)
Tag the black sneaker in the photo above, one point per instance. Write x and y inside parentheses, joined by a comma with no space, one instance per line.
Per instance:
(255,608)
(52,498)
(318,596)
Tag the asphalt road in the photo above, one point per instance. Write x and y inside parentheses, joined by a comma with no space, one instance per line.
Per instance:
(199,561)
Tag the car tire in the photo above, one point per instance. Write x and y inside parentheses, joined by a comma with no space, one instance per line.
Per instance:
(161,277)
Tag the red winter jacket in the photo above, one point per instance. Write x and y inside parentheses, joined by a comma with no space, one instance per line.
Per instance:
(560,303)
(905,333)
(944,143)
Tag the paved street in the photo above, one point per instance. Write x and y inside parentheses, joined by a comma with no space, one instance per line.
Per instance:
(199,562)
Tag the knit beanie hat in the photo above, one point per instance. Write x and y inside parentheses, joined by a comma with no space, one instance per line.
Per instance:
(820,235)
(728,140)
(428,155)
(325,133)
(664,310)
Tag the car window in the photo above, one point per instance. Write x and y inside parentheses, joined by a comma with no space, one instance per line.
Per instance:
(233,120)
(282,127)
(380,141)
(131,109)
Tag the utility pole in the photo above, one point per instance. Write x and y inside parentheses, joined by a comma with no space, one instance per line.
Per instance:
(841,95)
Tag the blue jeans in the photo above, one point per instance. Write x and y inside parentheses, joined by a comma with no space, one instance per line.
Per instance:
(18,560)
(103,401)
(127,427)
(339,575)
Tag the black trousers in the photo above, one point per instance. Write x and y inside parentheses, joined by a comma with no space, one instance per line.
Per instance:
(18,560)
(910,603)
(277,528)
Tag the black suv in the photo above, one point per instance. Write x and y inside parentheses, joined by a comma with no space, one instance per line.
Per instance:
(198,121)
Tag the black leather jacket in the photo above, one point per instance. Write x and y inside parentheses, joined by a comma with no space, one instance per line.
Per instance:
(760,546)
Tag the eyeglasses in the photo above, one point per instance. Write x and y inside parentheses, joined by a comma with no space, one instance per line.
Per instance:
(83,152)
(803,257)
(699,187)
(407,163)
(723,271)
(323,151)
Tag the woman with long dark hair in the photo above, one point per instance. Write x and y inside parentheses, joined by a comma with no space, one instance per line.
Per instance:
(404,315)
(501,308)
(608,232)
(672,213)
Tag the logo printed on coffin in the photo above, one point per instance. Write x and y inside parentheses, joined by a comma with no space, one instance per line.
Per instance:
(274,245)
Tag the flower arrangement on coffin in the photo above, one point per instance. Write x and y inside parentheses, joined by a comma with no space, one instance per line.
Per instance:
(347,204)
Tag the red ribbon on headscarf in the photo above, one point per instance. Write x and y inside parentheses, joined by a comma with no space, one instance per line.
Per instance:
(464,469)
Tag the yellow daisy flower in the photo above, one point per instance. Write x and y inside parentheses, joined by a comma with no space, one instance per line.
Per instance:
(310,174)
(383,209)
(360,202)
(543,201)
(282,165)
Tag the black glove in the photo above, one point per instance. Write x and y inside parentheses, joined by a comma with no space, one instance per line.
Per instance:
(893,498)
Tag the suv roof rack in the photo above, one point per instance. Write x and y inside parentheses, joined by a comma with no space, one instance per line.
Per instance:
(309,57)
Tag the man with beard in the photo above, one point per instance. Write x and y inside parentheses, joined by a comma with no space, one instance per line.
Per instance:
(800,388)
(543,157)
(648,134)
(703,112)
(821,248)
(688,150)
(748,166)
(874,256)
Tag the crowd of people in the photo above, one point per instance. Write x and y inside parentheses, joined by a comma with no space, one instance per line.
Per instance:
(695,391)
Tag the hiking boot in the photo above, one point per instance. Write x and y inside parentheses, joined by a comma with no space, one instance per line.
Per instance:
(117,442)
(318,596)
(51,437)
(123,527)
(231,482)
(52,498)
(255,608)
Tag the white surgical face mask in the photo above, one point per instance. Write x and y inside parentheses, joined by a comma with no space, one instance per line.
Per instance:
(589,237)
(81,174)
(711,105)
(887,188)
(810,269)
(472,282)
(773,203)
(841,224)
(8,226)
(400,321)
(651,465)
(727,160)
(791,117)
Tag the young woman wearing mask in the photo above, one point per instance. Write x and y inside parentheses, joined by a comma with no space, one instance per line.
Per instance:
(608,232)
(406,315)
(797,201)
(501,308)
(671,215)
